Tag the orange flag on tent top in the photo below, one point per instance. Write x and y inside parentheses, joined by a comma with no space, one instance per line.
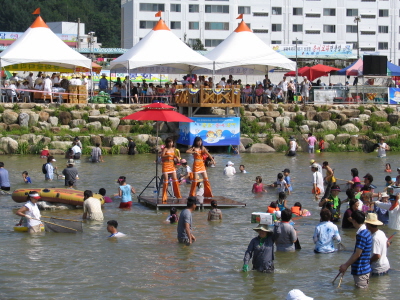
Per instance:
(36,12)
(158,14)
(240,17)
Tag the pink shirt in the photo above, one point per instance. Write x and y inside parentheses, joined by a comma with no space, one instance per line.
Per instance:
(311,140)
(258,188)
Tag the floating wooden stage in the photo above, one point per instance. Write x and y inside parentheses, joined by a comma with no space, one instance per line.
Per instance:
(222,202)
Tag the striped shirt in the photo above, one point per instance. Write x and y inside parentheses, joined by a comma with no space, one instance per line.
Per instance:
(364,242)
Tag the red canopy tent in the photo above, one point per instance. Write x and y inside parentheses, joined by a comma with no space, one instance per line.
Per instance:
(313,72)
(293,73)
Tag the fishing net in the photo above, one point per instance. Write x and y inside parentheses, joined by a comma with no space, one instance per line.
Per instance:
(62,226)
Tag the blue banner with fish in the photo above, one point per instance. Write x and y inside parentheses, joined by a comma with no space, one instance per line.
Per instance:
(394,96)
(215,131)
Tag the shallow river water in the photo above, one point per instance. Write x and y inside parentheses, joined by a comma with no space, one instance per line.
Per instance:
(150,264)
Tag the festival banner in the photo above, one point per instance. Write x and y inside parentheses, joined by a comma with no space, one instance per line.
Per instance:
(38,67)
(215,131)
(339,51)
(67,38)
(135,77)
(394,96)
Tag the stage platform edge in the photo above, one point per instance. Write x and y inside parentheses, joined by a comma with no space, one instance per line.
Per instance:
(223,202)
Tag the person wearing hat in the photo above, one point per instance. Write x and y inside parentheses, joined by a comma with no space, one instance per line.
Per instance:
(297,295)
(14,77)
(332,203)
(70,172)
(229,170)
(292,147)
(49,168)
(103,83)
(383,214)
(45,152)
(31,212)
(382,148)
(318,181)
(379,261)
(312,161)
(305,88)
(394,211)
(360,259)
(261,251)
(131,146)
(78,80)
(184,229)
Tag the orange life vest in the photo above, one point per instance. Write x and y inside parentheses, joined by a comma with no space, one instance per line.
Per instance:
(271,210)
(296,210)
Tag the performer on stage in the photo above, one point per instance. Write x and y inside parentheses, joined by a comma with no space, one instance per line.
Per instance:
(168,167)
(198,150)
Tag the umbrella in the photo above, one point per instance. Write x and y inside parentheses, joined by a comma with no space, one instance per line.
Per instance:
(157,112)
(293,73)
(319,70)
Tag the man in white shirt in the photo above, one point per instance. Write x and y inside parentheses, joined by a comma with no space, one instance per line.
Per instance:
(382,148)
(112,228)
(31,212)
(47,86)
(379,261)
(91,207)
(77,151)
(14,77)
(284,86)
(29,78)
(229,169)
(317,164)
(222,83)
(318,181)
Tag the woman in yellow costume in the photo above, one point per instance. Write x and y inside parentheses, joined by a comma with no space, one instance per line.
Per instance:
(168,155)
(198,150)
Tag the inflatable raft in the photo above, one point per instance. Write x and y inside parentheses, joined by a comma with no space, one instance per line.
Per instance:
(54,195)
(25,229)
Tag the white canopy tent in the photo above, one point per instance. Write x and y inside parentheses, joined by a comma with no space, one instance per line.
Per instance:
(242,52)
(161,48)
(39,44)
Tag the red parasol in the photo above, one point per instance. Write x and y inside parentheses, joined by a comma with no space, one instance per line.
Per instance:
(157,112)
(293,73)
(317,71)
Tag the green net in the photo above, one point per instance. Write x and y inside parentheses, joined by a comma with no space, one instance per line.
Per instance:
(62,226)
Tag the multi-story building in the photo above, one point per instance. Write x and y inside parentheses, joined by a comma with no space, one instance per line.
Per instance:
(274,21)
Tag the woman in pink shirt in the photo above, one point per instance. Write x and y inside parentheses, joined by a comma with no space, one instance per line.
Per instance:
(259,94)
(258,187)
(248,93)
(311,140)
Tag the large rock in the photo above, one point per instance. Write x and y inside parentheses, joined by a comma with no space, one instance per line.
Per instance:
(12,127)
(218,111)
(23,120)
(251,118)
(152,141)
(304,129)
(258,114)
(8,145)
(3,126)
(101,118)
(342,137)
(44,125)
(380,114)
(323,116)
(351,113)
(278,142)
(382,124)
(106,129)
(77,114)
(246,141)
(247,113)
(284,121)
(260,148)
(124,128)
(354,140)
(106,141)
(143,138)
(114,122)
(252,107)
(64,117)
(94,139)
(94,125)
(393,119)
(33,118)
(31,138)
(310,123)
(10,117)
(63,145)
(54,121)
(94,112)
(267,120)
(310,115)
(77,123)
(329,125)
(272,114)
(329,137)
(119,140)
(43,116)
(364,117)
(350,128)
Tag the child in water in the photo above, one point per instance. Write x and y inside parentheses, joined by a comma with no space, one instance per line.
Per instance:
(242,169)
(281,184)
(296,209)
(25,177)
(173,217)
(125,192)
(214,214)
(103,192)
(272,208)
(258,186)
(388,168)
(282,201)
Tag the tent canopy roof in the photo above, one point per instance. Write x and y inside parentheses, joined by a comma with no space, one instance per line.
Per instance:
(40,45)
(160,47)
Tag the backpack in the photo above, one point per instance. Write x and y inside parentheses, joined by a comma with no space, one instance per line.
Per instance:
(44,170)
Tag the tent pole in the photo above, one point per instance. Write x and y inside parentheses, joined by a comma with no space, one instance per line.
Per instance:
(157,187)
(129,84)
(213,74)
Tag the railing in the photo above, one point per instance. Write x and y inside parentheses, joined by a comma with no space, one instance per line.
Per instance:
(206,97)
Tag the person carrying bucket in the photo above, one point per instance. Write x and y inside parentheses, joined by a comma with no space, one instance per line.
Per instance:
(198,150)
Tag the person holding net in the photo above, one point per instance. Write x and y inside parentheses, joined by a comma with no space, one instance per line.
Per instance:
(31,212)
(91,207)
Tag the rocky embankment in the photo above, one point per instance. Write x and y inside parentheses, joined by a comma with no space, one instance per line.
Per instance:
(27,127)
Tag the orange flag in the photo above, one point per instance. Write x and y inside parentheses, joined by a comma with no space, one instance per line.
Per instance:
(240,17)
(158,14)
(36,12)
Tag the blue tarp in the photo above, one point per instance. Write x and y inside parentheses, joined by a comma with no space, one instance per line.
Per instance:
(392,69)
(343,71)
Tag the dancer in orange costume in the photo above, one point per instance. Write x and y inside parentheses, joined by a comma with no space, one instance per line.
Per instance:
(168,167)
(198,150)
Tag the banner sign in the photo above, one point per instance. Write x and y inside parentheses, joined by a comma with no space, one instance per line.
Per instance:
(38,67)
(68,38)
(394,96)
(215,131)
(135,77)
(316,51)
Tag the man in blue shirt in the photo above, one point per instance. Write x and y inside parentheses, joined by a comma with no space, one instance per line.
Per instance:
(325,233)
(4,181)
(360,260)
(103,83)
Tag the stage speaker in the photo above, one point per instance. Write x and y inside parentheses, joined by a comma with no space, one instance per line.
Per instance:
(375,65)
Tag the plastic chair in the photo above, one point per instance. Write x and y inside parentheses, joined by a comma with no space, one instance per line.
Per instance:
(11,96)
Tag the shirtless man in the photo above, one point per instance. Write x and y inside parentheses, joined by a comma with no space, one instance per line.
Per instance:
(329,178)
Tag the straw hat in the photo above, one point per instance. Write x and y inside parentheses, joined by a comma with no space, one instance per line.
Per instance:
(70,162)
(78,76)
(372,219)
(262,227)
(312,161)
(45,148)
(384,195)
